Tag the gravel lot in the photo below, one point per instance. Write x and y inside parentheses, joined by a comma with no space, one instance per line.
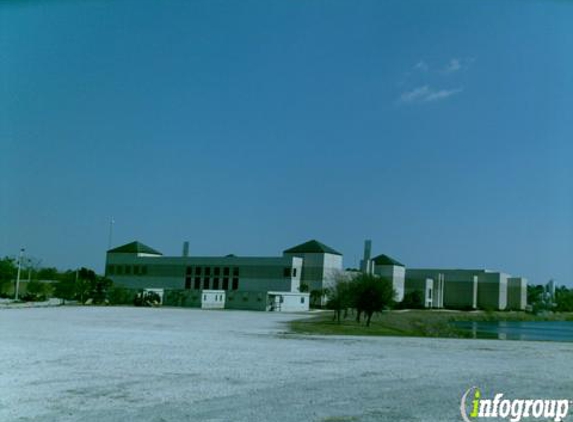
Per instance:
(132,364)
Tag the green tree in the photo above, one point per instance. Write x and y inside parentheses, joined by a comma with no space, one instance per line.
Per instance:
(8,270)
(372,294)
(101,287)
(564,299)
(339,296)
(35,291)
(316,297)
(535,294)
(65,289)
(48,274)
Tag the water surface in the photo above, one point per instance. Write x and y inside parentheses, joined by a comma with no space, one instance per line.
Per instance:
(519,330)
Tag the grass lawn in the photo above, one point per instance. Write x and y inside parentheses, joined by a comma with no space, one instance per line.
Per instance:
(419,323)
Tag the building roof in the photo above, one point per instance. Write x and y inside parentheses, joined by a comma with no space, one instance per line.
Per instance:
(386,260)
(135,247)
(312,246)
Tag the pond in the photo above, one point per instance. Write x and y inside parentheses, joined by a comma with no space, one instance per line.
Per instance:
(519,330)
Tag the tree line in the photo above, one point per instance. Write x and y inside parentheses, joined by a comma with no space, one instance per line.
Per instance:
(81,284)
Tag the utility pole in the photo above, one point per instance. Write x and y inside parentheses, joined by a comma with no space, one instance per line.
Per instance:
(18,275)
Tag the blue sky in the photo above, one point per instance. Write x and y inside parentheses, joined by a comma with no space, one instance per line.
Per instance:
(442,130)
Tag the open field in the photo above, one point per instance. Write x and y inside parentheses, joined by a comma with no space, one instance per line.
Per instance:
(137,364)
(420,323)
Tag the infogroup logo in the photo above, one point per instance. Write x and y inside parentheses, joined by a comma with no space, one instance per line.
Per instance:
(473,407)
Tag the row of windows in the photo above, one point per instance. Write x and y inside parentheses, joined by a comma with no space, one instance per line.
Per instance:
(211,284)
(216,271)
(198,271)
(127,269)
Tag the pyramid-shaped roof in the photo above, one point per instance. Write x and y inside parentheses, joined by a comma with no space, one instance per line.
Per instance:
(135,247)
(312,246)
(386,260)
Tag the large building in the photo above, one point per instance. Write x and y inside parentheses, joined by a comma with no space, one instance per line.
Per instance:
(263,283)
(450,288)
(286,283)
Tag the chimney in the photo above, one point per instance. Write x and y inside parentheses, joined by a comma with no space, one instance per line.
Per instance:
(366,263)
(185,248)
(367,249)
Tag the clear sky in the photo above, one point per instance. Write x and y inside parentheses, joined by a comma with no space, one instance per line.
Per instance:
(441,130)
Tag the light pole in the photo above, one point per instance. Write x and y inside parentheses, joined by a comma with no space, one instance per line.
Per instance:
(18,275)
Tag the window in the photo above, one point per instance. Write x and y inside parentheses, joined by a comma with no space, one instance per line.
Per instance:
(128,269)
(111,269)
(188,283)
(294,272)
(235,283)
(226,283)
(136,269)
(197,270)
(207,270)
(430,294)
(189,271)
(302,300)
(216,283)
(119,270)
(144,269)
(226,271)
(197,283)
(286,272)
(206,283)
(236,272)
(204,297)
(217,271)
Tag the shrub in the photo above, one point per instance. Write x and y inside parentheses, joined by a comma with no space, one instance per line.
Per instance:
(412,300)
(121,296)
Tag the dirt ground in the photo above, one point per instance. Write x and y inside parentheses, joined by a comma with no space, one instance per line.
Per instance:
(133,364)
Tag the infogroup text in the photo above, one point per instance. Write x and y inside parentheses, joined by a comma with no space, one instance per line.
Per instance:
(473,407)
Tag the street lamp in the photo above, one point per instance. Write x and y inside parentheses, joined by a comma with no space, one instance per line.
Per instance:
(18,275)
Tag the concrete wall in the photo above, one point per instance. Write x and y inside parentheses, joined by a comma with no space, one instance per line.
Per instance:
(492,290)
(516,293)
(254,301)
(460,293)
(396,274)
(213,299)
(424,286)
(254,273)
(288,302)
(460,289)
(485,289)
(319,269)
